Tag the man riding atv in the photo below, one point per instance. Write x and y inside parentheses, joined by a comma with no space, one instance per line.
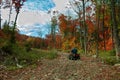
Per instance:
(74,55)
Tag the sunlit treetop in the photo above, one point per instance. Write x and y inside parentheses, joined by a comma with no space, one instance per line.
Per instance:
(18,4)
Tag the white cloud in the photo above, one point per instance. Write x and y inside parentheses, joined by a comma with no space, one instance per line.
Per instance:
(60,4)
(33,17)
(27,17)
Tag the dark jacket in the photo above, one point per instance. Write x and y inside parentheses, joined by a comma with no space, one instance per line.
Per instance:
(74,51)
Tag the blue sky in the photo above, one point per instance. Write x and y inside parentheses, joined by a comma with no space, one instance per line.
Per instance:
(39,8)
(43,5)
(33,19)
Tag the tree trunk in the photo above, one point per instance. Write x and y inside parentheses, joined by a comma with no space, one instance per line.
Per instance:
(85,28)
(112,30)
(53,30)
(97,29)
(13,30)
(115,30)
(0,14)
(80,32)
(103,31)
(118,10)
(15,22)
(10,14)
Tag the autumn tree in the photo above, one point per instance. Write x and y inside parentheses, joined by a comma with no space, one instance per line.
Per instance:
(53,29)
(64,29)
(85,28)
(58,41)
(97,22)
(69,32)
(53,15)
(103,22)
(82,8)
(101,19)
(17,5)
(77,8)
(115,29)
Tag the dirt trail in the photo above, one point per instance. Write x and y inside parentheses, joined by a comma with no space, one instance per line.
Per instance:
(62,68)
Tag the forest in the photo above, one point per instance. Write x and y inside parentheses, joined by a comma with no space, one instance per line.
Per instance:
(94,29)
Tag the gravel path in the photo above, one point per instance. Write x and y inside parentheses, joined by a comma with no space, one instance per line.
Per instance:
(62,68)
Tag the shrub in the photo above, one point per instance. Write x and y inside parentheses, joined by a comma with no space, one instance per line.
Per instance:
(112,52)
(109,57)
(7,47)
(6,28)
(10,61)
(28,46)
(22,57)
(10,48)
(111,60)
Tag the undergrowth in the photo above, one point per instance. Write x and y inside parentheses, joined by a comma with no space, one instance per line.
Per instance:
(109,57)
(18,56)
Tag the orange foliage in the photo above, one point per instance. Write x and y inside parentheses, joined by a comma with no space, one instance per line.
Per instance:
(109,44)
(63,23)
(72,42)
(58,41)
(90,26)
(106,21)
(106,36)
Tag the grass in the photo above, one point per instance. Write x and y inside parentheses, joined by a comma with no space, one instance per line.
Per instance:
(22,57)
(48,54)
(108,57)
